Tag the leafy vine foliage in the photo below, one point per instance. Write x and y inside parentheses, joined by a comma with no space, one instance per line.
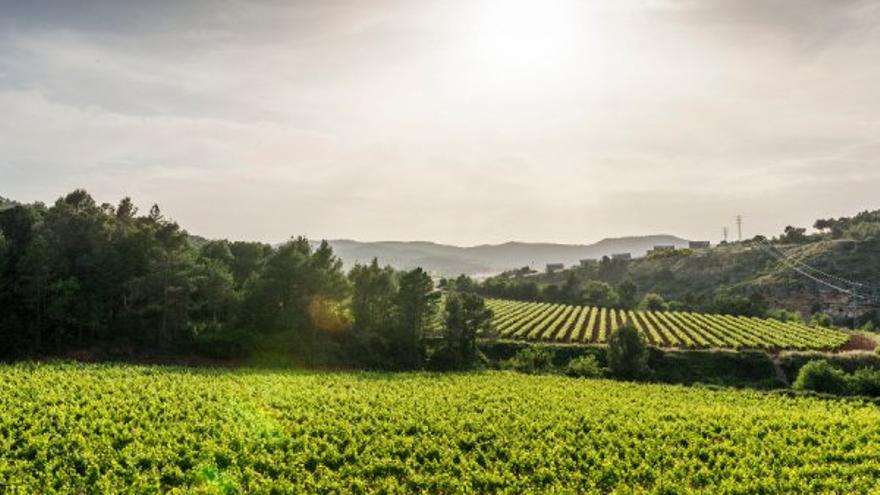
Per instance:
(132,429)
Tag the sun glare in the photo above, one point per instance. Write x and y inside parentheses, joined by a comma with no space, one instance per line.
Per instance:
(525,32)
(529,41)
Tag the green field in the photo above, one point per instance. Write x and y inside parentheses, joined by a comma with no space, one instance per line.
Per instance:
(133,429)
(583,324)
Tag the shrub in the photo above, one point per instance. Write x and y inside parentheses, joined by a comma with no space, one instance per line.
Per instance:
(785,315)
(676,306)
(865,381)
(821,376)
(223,343)
(791,362)
(821,320)
(627,353)
(530,360)
(599,294)
(584,367)
(653,302)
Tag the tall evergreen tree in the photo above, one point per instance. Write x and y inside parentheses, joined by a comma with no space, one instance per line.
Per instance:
(373,308)
(466,315)
(416,307)
(626,293)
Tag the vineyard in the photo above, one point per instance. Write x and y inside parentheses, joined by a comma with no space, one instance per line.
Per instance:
(583,324)
(135,429)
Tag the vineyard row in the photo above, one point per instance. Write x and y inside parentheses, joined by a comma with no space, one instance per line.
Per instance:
(583,324)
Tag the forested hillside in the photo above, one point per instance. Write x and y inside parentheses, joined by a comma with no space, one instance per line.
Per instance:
(796,271)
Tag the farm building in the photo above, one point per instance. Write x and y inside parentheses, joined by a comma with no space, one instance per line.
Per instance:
(621,256)
(699,244)
(555,267)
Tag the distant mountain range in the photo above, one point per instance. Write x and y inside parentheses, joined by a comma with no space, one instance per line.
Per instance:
(489,259)
(485,259)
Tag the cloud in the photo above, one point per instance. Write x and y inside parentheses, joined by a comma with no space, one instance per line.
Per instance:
(370,120)
(810,24)
(47,146)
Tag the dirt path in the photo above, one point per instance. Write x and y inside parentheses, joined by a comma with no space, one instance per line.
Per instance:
(859,342)
(780,374)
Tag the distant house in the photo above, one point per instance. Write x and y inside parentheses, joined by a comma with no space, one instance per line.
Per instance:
(622,256)
(555,267)
(699,245)
(589,262)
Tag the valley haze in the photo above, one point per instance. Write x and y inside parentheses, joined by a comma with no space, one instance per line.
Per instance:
(488,259)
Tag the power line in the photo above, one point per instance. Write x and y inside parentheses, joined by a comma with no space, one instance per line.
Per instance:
(852,292)
(811,277)
(853,283)
(813,269)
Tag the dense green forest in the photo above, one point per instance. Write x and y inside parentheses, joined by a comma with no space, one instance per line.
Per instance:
(82,276)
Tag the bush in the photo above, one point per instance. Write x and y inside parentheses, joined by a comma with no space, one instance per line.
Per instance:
(584,367)
(676,306)
(821,320)
(530,360)
(821,376)
(865,381)
(599,294)
(627,353)
(223,343)
(653,302)
(791,362)
(785,315)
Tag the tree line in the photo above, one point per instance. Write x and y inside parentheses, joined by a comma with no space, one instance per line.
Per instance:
(81,275)
(579,287)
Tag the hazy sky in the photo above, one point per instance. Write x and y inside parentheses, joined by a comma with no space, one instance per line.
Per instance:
(465,122)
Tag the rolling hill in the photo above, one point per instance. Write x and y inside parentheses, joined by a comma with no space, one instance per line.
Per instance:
(489,259)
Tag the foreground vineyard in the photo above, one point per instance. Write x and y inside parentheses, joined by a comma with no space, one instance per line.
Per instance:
(564,323)
(122,429)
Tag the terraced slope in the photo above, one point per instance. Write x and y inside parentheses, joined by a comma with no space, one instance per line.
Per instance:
(583,324)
